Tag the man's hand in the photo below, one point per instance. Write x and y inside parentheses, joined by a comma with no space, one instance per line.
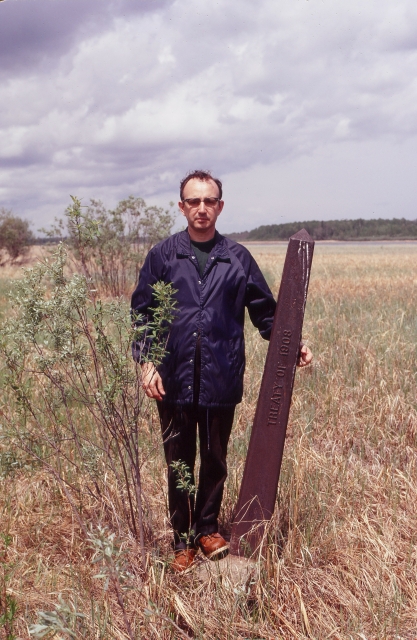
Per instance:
(152,381)
(304,356)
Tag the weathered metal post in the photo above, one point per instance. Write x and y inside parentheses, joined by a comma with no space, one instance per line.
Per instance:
(263,463)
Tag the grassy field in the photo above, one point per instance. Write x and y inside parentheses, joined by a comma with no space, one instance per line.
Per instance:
(340,558)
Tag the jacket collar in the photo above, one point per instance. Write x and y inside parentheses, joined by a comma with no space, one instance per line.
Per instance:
(220,250)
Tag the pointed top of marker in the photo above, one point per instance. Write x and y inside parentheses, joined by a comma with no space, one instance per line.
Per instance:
(302,235)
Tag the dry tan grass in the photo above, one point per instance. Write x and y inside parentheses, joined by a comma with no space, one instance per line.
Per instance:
(339,560)
(13,269)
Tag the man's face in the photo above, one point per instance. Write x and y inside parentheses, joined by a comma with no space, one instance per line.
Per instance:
(201,219)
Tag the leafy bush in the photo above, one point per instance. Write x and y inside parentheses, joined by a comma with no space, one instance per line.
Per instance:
(74,397)
(111,245)
(15,235)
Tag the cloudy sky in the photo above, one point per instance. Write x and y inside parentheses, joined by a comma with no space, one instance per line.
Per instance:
(306,109)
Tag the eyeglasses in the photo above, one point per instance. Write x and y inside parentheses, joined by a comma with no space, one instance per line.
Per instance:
(195,202)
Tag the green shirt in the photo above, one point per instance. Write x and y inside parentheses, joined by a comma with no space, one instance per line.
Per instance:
(202,252)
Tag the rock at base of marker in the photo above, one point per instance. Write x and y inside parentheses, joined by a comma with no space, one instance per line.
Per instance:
(233,571)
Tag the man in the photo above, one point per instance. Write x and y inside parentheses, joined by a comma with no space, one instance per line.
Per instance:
(200,380)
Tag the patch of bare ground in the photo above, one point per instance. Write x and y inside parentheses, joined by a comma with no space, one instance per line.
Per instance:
(339,558)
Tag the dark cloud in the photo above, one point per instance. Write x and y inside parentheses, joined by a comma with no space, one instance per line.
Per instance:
(38,32)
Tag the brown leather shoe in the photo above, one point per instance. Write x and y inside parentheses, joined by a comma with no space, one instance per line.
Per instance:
(214,546)
(184,558)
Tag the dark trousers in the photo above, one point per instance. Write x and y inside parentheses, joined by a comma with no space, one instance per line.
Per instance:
(179,432)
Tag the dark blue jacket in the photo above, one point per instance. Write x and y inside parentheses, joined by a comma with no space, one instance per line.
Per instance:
(214,307)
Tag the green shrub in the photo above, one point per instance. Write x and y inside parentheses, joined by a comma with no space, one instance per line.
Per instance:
(15,235)
(74,401)
(109,246)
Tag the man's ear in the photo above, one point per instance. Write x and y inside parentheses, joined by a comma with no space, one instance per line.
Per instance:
(181,207)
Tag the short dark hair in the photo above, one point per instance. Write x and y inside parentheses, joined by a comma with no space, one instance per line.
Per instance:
(198,174)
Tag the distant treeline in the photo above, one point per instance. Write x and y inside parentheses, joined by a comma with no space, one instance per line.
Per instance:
(378,229)
(49,240)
